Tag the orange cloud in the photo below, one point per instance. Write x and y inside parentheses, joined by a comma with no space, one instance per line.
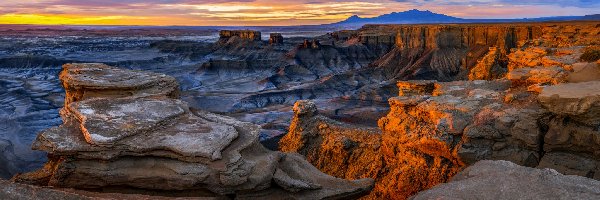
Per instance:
(252,12)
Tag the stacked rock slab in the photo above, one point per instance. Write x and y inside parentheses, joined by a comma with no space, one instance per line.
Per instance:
(572,143)
(124,129)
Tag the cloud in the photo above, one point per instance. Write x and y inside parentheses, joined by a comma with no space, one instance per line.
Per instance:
(276,12)
(564,3)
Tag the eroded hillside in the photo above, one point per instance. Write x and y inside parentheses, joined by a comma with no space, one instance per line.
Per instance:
(531,100)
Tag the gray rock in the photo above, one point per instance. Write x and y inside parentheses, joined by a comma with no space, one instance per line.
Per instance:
(578,100)
(154,142)
(505,180)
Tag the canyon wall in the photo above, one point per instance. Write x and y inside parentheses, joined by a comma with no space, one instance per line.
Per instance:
(536,108)
(449,52)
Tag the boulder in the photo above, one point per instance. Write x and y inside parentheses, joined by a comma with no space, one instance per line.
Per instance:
(581,101)
(505,180)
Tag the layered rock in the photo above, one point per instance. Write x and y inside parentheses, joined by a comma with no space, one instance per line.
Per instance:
(146,140)
(489,67)
(506,180)
(400,165)
(225,35)
(99,80)
(308,44)
(434,129)
(275,38)
(457,51)
(572,140)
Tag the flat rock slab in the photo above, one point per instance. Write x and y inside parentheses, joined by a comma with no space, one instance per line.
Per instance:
(186,137)
(88,80)
(190,136)
(579,100)
(505,180)
(104,121)
(100,76)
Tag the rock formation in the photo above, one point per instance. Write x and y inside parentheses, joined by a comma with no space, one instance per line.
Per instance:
(532,117)
(225,35)
(275,38)
(505,180)
(314,44)
(450,52)
(127,130)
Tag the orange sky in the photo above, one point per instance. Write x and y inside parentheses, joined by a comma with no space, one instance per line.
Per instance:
(265,12)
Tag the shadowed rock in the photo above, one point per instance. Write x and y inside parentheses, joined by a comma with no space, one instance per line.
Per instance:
(152,142)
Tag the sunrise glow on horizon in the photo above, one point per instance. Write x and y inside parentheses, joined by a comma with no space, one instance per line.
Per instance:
(266,12)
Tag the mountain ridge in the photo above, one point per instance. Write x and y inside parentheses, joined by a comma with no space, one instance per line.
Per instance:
(416,16)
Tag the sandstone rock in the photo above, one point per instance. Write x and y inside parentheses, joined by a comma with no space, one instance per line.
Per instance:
(275,38)
(307,44)
(578,100)
(489,67)
(83,81)
(506,180)
(537,75)
(570,164)
(583,72)
(153,142)
(224,35)
(425,139)
(417,87)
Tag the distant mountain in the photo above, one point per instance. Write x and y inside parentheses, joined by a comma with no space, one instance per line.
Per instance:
(427,17)
(591,17)
(407,17)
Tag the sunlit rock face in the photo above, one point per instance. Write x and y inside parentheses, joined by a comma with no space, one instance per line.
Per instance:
(143,140)
(505,180)
(224,35)
(534,116)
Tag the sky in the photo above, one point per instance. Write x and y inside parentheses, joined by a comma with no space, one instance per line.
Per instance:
(267,12)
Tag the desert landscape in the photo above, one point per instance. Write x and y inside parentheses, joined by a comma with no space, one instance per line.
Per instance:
(450,108)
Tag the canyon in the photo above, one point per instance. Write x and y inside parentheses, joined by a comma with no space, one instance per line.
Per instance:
(525,104)
(408,106)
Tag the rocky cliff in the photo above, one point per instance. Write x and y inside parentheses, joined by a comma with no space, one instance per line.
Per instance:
(541,114)
(126,131)
(450,52)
